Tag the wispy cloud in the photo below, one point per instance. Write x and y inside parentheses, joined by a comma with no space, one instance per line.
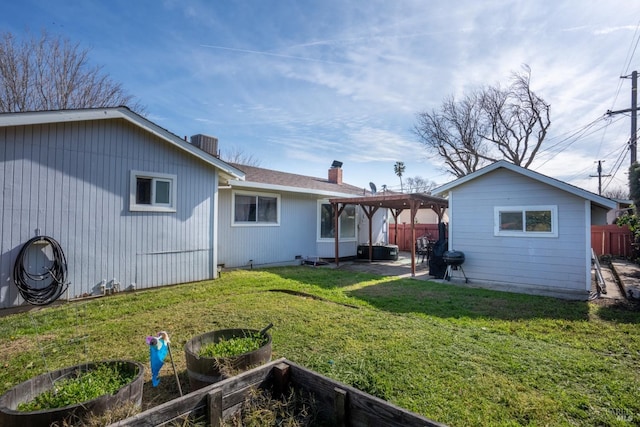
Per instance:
(301,83)
(274,54)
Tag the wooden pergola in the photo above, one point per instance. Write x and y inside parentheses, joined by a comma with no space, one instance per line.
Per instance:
(396,203)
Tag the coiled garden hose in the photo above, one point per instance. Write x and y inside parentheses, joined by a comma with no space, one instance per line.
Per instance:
(41,288)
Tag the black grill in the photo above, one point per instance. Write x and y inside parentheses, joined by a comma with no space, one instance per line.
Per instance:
(453,258)
(454,261)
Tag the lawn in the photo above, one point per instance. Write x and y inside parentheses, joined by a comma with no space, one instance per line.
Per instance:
(457,355)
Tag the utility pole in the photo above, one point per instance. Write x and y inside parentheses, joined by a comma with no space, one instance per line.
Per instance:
(599,177)
(633,146)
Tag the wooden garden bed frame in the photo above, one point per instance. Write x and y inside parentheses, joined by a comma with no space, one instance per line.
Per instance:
(339,403)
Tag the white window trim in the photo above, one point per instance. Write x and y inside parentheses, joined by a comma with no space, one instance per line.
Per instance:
(512,233)
(173,180)
(251,223)
(332,239)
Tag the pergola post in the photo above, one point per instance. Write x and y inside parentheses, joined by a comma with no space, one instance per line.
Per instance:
(396,213)
(369,211)
(337,210)
(397,203)
(414,210)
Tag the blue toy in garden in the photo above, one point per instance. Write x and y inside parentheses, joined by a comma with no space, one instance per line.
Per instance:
(158,349)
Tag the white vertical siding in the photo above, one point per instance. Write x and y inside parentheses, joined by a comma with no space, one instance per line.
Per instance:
(545,263)
(268,245)
(70,181)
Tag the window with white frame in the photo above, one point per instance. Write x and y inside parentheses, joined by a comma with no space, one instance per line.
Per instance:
(154,192)
(256,208)
(526,221)
(346,222)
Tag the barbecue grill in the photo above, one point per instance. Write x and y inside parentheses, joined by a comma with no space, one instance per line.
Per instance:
(454,261)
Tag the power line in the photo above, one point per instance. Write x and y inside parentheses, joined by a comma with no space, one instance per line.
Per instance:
(636,37)
(630,54)
(575,136)
(617,165)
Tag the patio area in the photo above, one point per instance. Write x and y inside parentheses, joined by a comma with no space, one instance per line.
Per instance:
(402,268)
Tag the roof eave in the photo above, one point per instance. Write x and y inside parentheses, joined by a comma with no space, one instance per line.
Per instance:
(63,116)
(287,188)
(594,198)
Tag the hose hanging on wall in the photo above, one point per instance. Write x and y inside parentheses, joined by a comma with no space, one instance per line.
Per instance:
(41,288)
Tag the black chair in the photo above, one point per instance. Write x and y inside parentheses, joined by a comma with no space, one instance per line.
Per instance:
(424,248)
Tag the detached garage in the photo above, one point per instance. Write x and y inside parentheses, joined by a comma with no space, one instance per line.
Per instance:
(522,231)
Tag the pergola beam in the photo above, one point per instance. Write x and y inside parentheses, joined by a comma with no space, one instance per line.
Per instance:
(397,203)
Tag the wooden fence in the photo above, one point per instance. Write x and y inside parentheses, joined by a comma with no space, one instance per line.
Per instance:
(611,240)
(404,240)
(605,239)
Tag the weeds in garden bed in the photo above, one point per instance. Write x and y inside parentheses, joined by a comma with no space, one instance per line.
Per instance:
(103,379)
(261,408)
(232,347)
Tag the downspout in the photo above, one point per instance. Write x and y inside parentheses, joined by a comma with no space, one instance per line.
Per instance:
(450,227)
(587,249)
(213,270)
(336,216)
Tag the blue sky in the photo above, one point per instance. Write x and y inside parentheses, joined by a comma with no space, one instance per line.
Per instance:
(298,84)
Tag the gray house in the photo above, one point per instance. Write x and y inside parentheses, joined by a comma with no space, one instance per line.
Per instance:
(523,231)
(278,218)
(131,204)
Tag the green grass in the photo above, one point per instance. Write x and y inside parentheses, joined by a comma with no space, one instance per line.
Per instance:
(457,355)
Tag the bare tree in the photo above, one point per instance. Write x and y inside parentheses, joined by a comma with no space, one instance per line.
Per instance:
(486,126)
(619,193)
(454,133)
(518,121)
(239,156)
(51,73)
(419,184)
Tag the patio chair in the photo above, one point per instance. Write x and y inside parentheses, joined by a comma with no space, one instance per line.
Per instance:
(423,248)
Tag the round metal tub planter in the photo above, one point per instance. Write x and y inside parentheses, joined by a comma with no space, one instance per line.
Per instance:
(204,371)
(28,390)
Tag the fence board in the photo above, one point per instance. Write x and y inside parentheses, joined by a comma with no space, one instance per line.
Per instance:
(605,239)
(404,234)
(611,240)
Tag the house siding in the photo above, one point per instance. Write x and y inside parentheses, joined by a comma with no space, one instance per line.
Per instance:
(267,245)
(296,234)
(70,181)
(555,264)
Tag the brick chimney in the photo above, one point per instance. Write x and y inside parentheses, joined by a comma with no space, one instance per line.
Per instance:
(335,173)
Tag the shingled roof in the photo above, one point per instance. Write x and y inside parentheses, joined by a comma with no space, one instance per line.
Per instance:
(271,177)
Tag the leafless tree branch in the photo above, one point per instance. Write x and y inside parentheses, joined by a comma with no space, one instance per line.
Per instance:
(487,125)
(51,73)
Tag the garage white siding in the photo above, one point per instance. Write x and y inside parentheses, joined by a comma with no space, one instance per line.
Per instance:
(551,264)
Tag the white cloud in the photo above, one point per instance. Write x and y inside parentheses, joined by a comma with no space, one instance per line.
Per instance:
(302,83)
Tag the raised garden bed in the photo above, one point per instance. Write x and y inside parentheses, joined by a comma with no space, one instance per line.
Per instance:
(67,415)
(337,404)
(204,369)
